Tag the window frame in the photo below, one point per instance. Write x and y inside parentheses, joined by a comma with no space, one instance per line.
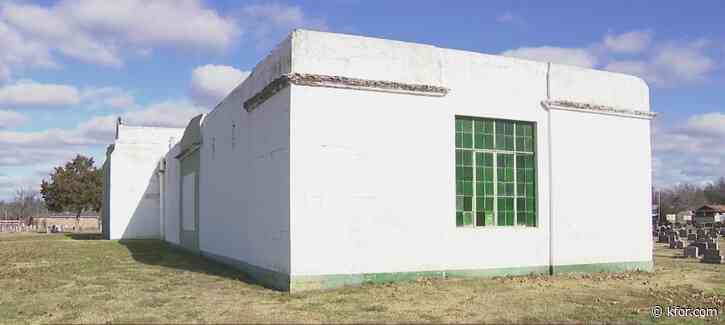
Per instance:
(494,152)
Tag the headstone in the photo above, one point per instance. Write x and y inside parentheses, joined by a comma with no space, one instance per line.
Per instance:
(691,237)
(662,238)
(714,245)
(692,251)
(712,256)
(682,233)
(702,246)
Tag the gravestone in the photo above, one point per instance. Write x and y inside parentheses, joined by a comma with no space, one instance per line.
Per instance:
(692,251)
(712,256)
(691,237)
(680,244)
(663,238)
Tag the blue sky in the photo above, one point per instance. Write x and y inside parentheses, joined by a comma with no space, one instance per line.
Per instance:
(68,67)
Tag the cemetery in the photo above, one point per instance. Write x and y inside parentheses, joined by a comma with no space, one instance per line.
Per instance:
(696,241)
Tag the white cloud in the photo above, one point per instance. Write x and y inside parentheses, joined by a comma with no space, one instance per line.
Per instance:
(270,22)
(642,69)
(630,42)
(174,22)
(694,152)
(10,119)
(211,83)
(709,123)
(284,16)
(98,130)
(684,61)
(571,56)
(664,63)
(102,32)
(29,93)
(18,52)
(164,114)
(670,64)
(100,97)
(510,18)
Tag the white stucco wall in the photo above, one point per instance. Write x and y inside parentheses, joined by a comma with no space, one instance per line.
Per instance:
(134,190)
(373,177)
(172,195)
(601,170)
(244,183)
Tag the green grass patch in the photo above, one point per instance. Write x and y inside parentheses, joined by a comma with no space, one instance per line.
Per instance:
(78,279)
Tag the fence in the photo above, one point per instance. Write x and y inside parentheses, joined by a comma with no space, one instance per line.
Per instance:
(12,226)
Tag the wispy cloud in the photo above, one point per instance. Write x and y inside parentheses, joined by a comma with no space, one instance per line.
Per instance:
(103,32)
(211,83)
(663,63)
(510,18)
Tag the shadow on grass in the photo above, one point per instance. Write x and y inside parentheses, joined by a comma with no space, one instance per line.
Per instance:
(84,236)
(159,253)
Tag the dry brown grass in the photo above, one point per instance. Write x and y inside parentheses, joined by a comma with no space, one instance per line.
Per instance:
(56,279)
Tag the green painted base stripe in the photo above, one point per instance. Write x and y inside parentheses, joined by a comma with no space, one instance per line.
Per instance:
(265,277)
(605,267)
(315,282)
(487,273)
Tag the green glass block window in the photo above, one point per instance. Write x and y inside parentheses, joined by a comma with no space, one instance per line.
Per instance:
(495,173)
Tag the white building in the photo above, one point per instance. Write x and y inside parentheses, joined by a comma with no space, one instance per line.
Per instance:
(344,159)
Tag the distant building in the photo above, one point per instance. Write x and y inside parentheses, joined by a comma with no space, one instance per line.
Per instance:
(684,216)
(709,213)
(671,218)
(345,159)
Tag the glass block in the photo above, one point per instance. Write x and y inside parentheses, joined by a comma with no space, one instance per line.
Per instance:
(467,218)
(521,218)
(504,127)
(478,141)
(480,173)
(464,125)
(468,187)
(468,173)
(478,126)
(524,129)
(521,204)
(479,188)
(480,219)
(467,203)
(467,140)
(459,140)
(459,219)
(467,156)
(480,203)
(488,188)
(459,203)
(488,174)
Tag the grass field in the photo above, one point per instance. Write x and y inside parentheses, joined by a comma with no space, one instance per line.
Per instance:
(61,279)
